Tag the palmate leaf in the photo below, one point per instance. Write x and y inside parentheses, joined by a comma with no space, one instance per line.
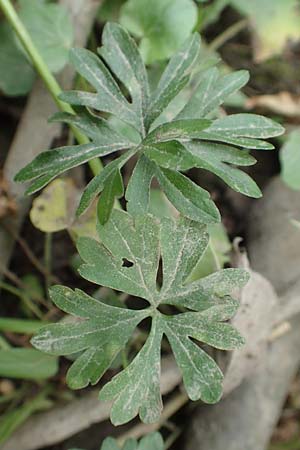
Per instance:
(163,151)
(104,330)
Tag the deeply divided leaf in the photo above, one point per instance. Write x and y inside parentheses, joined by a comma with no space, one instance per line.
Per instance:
(118,93)
(101,331)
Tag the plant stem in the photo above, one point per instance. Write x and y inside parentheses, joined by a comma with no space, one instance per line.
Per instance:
(229,33)
(4,345)
(172,438)
(23,287)
(18,293)
(22,326)
(44,72)
(29,253)
(48,260)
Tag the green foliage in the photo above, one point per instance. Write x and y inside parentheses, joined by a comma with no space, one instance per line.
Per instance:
(12,63)
(163,150)
(109,10)
(216,254)
(290,160)
(121,115)
(218,249)
(51,30)
(23,326)
(104,330)
(161,25)
(152,441)
(27,363)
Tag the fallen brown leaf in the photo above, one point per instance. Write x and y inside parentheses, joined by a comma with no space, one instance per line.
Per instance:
(282,103)
(8,205)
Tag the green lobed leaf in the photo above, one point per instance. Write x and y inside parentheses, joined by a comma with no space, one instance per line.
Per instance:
(248,143)
(113,189)
(170,155)
(108,96)
(188,198)
(138,188)
(101,336)
(178,129)
(246,125)
(174,78)
(51,163)
(210,156)
(122,56)
(137,242)
(203,382)
(213,90)
(163,150)
(96,185)
(137,388)
(94,127)
(64,158)
(216,159)
(104,330)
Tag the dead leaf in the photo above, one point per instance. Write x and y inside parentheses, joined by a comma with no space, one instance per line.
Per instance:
(254,319)
(54,210)
(274,23)
(282,103)
(8,205)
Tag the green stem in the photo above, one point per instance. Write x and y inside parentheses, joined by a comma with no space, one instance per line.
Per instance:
(48,260)
(229,33)
(44,72)
(22,326)
(25,298)
(172,438)
(4,345)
